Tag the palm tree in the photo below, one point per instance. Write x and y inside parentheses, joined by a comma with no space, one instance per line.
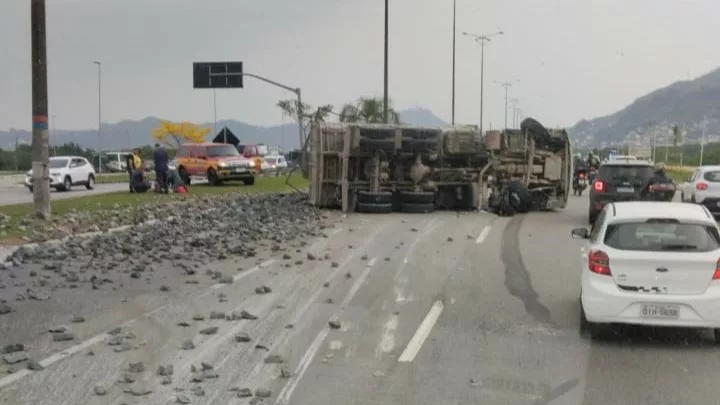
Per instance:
(369,110)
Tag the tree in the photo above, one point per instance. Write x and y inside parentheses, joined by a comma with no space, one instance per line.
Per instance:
(290,108)
(368,109)
(173,135)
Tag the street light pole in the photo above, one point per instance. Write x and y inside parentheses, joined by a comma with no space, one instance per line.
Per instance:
(40,148)
(507,86)
(99,66)
(453,60)
(385,94)
(482,39)
(215,113)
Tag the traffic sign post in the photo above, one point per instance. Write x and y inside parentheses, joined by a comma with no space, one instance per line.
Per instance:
(229,75)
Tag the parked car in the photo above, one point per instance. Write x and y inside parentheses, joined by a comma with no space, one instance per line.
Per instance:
(66,172)
(618,180)
(703,187)
(650,263)
(218,162)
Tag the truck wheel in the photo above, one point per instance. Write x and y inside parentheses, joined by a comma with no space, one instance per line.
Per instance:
(380,197)
(249,182)
(417,208)
(369,208)
(417,197)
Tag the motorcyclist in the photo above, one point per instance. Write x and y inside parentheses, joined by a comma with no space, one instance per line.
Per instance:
(659,177)
(592,161)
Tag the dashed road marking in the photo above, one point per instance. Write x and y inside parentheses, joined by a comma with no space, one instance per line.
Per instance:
(481,238)
(247,273)
(422,333)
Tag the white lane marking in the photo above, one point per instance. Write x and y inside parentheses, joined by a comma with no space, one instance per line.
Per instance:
(480,239)
(387,342)
(336,345)
(371,262)
(306,360)
(422,333)
(247,273)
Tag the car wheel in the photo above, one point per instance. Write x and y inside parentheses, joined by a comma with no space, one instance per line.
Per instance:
(374,208)
(90,185)
(67,184)
(381,197)
(213,178)
(716,335)
(249,182)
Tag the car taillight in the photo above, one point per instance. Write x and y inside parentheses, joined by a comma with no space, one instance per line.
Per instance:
(716,275)
(599,185)
(599,262)
(701,186)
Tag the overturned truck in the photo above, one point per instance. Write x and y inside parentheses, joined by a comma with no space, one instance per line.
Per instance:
(378,168)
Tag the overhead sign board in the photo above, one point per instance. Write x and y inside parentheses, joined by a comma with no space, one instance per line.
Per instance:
(217,75)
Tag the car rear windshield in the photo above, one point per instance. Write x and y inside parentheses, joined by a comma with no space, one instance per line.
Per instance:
(222,150)
(58,163)
(713,176)
(662,236)
(625,172)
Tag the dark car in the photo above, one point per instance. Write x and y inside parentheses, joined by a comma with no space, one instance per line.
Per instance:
(618,180)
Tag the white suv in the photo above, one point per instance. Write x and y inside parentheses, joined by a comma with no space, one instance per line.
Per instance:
(67,171)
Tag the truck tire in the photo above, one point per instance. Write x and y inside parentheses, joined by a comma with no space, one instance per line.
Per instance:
(374,208)
(521,198)
(417,208)
(417,197)
(380,197)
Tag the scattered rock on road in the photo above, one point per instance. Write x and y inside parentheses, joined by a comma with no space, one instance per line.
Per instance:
(137,367)
(78,319)
(165,370)
(263,290)
(100,390)
(242,337)
(335,323)
(210,330)
(247,315)
(62,337)
(34,365)
(12,348)
(15,357)
(187,345)
(217,315)
(274,359)
(263,393)
(182,399)
(244,393)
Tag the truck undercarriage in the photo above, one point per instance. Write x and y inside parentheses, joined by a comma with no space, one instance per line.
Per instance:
(383,168)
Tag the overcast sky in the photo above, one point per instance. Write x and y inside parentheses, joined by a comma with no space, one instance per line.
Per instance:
(573,59)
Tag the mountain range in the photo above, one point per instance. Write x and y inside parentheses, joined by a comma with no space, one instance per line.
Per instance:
(127,134)
(693,105)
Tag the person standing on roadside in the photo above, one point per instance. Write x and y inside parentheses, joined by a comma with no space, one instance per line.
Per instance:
(133,162)
(161,160)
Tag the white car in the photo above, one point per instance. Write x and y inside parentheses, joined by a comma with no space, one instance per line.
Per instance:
(703,187)
(274,162)
(650,263)
(66,172)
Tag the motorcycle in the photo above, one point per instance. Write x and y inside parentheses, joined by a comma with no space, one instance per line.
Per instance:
(659,192)
(580,182)
(592,173)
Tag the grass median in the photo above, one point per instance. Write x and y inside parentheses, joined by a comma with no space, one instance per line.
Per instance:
(18,222)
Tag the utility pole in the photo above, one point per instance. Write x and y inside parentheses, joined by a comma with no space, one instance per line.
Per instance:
(507,86)
(40,137)
(514,112)
(453,60)
(482,39)
(385,94)
(52,144)
(99,67)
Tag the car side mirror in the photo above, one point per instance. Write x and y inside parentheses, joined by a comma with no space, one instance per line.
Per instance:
(580,233)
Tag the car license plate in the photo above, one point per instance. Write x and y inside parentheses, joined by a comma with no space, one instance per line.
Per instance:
(626,190)
(659,311)
(239,170)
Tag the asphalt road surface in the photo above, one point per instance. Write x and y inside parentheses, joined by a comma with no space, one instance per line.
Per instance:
(433,309)
(19,194)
